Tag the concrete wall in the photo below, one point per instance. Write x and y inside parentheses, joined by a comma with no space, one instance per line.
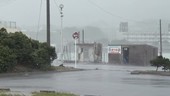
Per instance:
(89,52)
(141,54)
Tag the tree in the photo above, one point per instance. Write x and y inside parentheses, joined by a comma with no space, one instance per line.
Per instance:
(165,64)
(21,45)
(3,34)
(7,59)
(161,62)
(157,62)
(168,66)
(44,55)
(18,49)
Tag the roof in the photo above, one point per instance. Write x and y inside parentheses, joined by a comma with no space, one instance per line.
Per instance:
(131,45)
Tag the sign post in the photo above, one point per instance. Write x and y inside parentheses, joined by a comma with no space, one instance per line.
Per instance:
(75,37)
(75,53)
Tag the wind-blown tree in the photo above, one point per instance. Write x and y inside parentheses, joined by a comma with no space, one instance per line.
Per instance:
(7,59)
(3,33)
(157,62)
(24,51)
(7,56)
(21,45)
(168,66)
(44,55)
(165,64)
(161,62)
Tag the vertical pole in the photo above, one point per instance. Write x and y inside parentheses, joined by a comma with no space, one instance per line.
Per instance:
(83,36)
(75,53)
(61,37)
(160,38)
(79,37)
(48,22)
(61,33)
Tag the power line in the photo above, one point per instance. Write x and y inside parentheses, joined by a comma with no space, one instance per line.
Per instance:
(113,15)
(109,13)
(55,2)
(39,17)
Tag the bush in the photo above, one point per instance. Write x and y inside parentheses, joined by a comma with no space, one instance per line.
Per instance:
(161,62)
(7,59)
(17,48)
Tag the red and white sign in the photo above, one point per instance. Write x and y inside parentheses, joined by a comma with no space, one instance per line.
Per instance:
(75,35)
(114,49)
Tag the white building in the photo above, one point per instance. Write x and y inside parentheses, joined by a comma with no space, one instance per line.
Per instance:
(10,26)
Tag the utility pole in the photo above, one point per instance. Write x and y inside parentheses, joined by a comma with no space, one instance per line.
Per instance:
(160,38)
(48,22)
(61,33)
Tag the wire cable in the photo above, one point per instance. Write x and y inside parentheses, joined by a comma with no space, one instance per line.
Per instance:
(39,18)
(109,13)
(55,2)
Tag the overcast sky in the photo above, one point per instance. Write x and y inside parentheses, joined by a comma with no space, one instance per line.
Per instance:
(104,14)
(84,12)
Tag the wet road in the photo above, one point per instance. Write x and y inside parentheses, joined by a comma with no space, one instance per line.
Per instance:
(109,80)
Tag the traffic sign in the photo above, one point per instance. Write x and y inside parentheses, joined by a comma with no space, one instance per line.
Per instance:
(75,35)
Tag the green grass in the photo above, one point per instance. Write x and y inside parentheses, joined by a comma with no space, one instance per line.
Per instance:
(53,94)
(3,94)
(41,94)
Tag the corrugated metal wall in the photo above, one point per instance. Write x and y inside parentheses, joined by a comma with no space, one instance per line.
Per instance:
(135,55)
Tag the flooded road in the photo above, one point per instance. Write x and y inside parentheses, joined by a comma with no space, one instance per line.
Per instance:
(108,80)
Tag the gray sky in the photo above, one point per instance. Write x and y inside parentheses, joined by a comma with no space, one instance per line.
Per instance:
(85,12)
(105,14)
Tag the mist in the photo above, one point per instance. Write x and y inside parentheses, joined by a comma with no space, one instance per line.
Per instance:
(99,18)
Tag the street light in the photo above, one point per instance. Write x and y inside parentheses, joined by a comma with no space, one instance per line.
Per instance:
(61,6)
(61,33)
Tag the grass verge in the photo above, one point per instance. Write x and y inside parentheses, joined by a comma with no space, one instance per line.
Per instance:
(53,94)
(39,94)
(5,94)
(161,73)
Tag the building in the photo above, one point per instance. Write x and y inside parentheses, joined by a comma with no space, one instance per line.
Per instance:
(131,54)
(89,52)
(150,38)
(10,26)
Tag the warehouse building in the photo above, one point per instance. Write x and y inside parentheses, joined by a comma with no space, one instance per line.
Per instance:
(131,54)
